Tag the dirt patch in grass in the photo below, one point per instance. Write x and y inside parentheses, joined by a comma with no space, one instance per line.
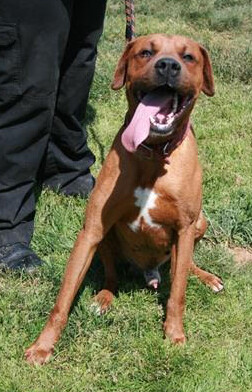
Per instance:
(241,256)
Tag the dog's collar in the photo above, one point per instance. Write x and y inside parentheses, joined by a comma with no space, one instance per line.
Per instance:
(164,150)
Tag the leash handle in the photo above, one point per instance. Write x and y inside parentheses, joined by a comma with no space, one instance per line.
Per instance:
(130,20)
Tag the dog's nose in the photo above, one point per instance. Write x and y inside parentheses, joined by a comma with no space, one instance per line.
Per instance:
(168,66)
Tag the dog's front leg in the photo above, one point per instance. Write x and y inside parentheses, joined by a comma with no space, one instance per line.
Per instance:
(78,264)
(104,209)
(180,265)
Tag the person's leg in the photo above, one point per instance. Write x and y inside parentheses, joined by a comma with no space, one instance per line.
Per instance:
(33,37)
(68,157)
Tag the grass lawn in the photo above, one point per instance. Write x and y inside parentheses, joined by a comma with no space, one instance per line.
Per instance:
(124,350)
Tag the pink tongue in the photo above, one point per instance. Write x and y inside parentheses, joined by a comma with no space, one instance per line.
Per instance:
(138,129)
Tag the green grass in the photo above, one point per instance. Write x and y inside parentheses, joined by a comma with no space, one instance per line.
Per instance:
(124,351)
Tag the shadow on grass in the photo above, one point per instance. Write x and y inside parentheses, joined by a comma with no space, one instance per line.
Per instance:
(129,279)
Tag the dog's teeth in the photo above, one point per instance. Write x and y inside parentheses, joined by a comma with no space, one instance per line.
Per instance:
(169,118)
(162,124)
(175,103)
(154,120)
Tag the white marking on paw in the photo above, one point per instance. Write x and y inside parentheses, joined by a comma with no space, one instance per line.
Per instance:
(145,200)
(95,308)
(218,287)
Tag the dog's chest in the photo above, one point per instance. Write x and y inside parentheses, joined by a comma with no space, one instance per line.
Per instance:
(152,210)
(145,233)
(146,200)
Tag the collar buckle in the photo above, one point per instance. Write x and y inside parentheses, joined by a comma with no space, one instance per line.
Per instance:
(164,150)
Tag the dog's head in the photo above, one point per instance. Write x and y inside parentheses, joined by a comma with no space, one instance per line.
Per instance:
(168,72)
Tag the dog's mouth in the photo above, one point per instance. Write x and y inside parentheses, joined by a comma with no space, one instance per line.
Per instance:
(158,113)
(175,104)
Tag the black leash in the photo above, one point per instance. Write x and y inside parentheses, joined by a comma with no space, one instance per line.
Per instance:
(130,20)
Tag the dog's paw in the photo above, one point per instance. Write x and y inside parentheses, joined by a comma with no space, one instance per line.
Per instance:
(102,302)
(38,354)
(214,282)
(176,335)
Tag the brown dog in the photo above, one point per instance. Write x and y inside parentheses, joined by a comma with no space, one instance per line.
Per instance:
(147,199)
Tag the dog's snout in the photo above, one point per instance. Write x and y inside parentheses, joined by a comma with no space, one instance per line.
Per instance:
(168,66)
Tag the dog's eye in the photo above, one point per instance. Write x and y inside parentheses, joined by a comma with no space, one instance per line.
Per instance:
(188,57)
(146,53)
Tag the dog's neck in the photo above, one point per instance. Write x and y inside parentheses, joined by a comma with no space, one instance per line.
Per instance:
(162,151)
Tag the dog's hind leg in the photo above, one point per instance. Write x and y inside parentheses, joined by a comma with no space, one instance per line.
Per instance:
(211,280)
(214,282)
(107,252)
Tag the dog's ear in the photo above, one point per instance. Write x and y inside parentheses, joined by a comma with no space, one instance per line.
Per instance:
(121,69)
(208,80)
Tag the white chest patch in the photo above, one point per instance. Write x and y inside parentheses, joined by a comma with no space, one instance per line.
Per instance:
(145,200)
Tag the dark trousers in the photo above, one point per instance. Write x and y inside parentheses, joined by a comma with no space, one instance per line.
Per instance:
(47,59)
